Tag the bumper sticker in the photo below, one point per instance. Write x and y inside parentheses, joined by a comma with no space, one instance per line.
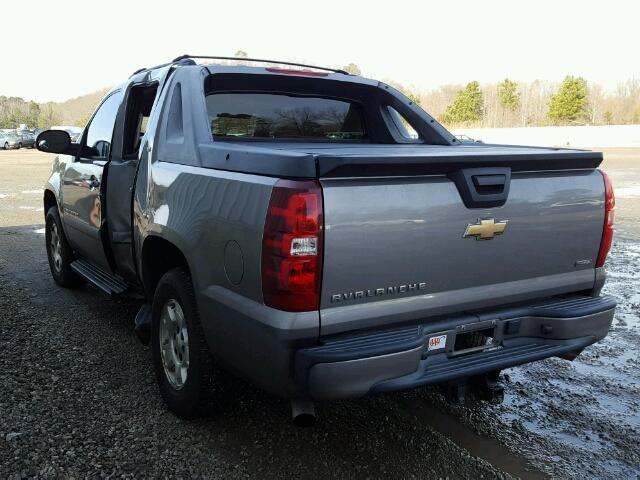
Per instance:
(436,343)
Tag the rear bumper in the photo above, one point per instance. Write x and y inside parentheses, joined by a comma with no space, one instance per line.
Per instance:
(400,359)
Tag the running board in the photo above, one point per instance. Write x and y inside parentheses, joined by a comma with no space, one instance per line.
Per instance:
(100,279)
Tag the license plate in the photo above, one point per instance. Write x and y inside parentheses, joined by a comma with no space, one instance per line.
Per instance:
(437,343)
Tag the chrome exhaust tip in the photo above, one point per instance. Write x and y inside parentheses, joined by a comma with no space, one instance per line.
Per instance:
(303,413)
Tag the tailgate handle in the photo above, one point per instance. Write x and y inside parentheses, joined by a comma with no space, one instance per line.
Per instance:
(483,187)
(489,184)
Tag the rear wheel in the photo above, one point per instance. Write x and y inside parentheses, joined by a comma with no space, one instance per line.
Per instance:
(19,146)
(183,366)
(59,252)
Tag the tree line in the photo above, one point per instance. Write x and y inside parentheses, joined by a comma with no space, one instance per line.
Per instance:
(527,104)
(531,104)
(15,111)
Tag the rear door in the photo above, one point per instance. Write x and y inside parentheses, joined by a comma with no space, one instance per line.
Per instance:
(82,192)
(130,148)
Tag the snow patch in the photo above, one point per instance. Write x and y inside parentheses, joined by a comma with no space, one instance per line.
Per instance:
(628,192)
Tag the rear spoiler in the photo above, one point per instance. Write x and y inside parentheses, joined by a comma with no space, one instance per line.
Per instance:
(447,160)
(331,160)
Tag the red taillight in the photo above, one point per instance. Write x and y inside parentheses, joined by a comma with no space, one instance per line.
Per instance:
(609,213)
(291,71)
(292,247)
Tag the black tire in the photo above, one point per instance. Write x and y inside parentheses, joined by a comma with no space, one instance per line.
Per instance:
(194,397)
(19,146)
(6,145)
(60,268)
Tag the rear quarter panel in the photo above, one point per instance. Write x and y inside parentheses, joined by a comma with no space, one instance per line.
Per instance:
(207,213)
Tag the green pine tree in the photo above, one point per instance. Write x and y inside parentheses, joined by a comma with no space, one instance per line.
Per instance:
(467,107)
(509,95)
(570,104)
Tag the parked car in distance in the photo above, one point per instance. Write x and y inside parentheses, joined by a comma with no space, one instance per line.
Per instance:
(28,139)
(321,235)
(467,139)
(38,131)
(10,140)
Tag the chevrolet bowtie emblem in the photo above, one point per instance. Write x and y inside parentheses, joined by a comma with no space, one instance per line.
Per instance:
(485,229)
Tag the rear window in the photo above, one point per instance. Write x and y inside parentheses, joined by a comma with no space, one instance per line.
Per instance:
(280,116)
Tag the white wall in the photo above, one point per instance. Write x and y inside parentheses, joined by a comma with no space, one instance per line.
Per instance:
(596,136)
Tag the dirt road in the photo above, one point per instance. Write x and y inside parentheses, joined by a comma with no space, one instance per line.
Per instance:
(78,396)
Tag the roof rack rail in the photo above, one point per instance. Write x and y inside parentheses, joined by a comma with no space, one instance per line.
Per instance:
(186,61)
(260,60)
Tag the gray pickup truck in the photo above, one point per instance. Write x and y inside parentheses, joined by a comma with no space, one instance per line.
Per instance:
(322,236)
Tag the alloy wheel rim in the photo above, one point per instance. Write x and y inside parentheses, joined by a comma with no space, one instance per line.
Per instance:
(56,248)
(174,344)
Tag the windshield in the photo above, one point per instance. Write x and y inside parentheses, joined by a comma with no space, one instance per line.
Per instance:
(280,116)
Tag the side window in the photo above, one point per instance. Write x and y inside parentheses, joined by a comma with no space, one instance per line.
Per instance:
(100,130)
(139,105)
(404,127)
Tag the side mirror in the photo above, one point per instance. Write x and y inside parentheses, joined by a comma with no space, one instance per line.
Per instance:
(54,141)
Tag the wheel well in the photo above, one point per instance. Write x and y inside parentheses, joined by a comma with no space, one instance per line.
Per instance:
(158,257)
(49,201)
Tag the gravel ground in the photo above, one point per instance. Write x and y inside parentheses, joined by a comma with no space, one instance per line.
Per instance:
(78,396)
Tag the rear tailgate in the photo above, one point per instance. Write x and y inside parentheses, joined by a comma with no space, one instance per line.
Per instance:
(394,248)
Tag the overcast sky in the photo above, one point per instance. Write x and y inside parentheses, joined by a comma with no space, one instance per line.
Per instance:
(58,49)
